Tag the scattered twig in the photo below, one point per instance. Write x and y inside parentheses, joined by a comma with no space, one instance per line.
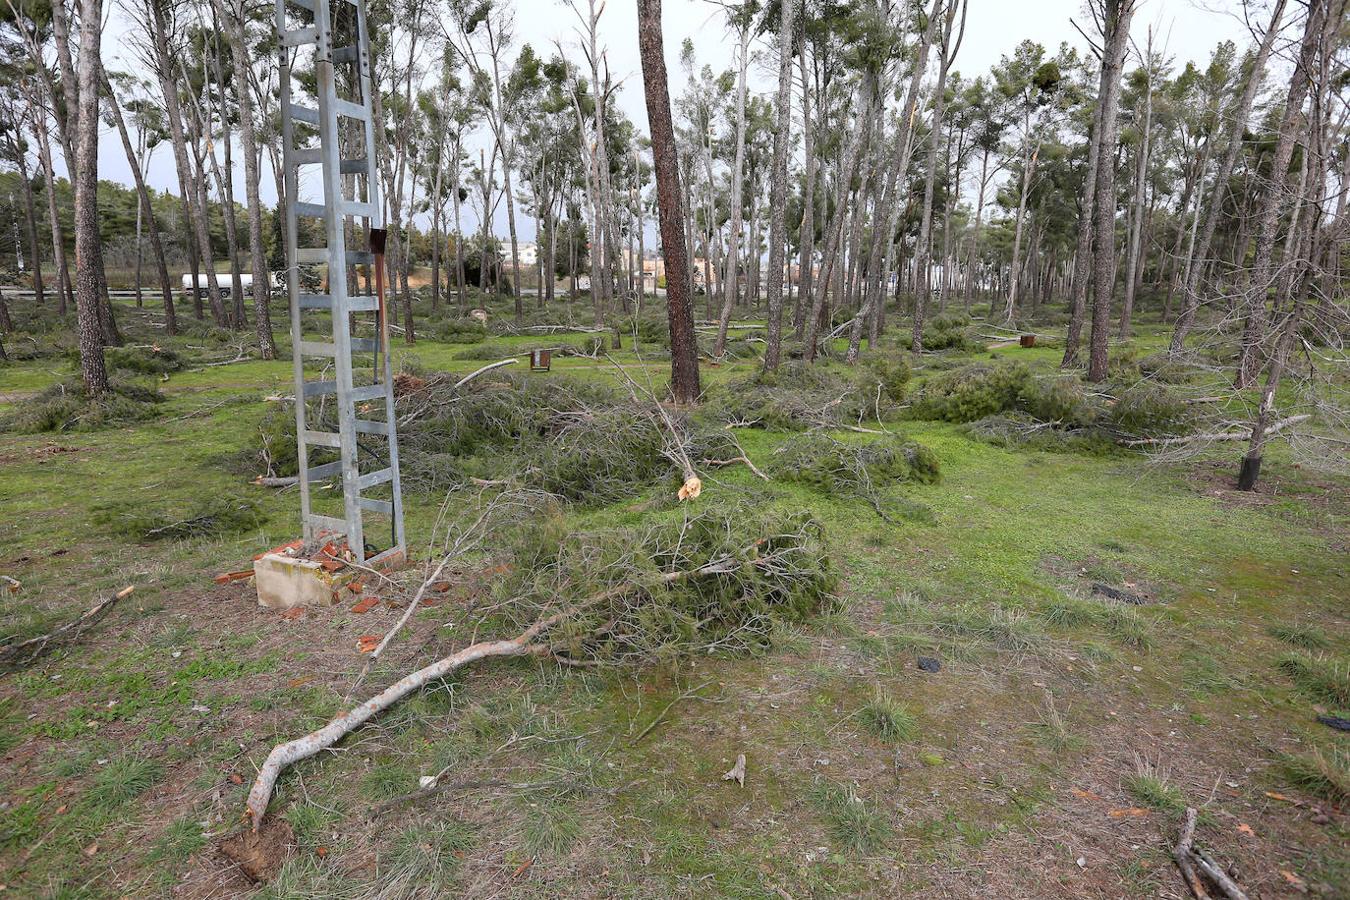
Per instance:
(1192,861)
(1218,435)
(35,647)
(660,717)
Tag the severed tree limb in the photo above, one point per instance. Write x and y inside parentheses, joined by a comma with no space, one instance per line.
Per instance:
(488,368)
(524,644)
(1218,435)
(35,647)
(282,482)
(1182,855)
(1210,866)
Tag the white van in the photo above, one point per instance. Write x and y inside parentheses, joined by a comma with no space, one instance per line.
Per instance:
(226,282)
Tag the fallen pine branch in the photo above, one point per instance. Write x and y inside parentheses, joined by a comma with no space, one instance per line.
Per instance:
(71,631)
(527,643)
(1191,862)
(488,368)
(1217,435)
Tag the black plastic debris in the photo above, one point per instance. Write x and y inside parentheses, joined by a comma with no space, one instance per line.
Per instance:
(930,664)
(1335,722)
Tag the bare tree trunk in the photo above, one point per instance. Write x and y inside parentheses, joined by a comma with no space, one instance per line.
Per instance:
(684,380)
(165,69)
(1274,201)
(88,258)
(146,209)
(1236,127)
(1116,17)
(737,186)
(806,234)
(1132,260)
(237,37)
(1028,169)
(946,53)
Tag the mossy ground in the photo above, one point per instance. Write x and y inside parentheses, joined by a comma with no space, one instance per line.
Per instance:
(1058,730)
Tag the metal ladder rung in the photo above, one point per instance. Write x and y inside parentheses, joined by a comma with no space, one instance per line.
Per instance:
(353,166)
(369,392)
(307,35)
(325,348)
(319,388)
(365,426)
(358,208)
(373,478)
(310,210)
(317,348)
(318,473)
(345,54)
(327,523)
(304,4)
(302,113)
(379,506)
(351,110)
(323,438)
(303,156)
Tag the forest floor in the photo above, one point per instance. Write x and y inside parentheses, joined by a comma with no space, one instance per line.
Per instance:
(1052,755)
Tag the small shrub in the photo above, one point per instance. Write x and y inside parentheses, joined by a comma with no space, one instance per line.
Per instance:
(460,331)
(892,372)
(487,351)
(971,392)
(66,407)
(1062,400)
(205,518)
(948,332)
(150,360)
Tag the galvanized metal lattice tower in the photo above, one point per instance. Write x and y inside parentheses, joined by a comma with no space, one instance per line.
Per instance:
(366,435)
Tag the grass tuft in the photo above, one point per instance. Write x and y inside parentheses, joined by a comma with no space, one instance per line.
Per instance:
(120,781)
(1324,774)
(1149,785)
(889,720)
(1325,679)
(551,829)
(850,822)
(1305,637)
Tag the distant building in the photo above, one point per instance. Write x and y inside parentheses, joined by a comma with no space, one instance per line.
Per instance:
(528,251)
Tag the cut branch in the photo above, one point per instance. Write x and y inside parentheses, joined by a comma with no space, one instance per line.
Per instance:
(71,631)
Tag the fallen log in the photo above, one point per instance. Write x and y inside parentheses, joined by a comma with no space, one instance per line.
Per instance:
(1216,435)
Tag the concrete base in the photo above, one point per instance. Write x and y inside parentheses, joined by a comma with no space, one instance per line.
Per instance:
(284,582)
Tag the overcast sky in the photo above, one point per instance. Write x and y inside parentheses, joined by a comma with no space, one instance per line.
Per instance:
(1188,29)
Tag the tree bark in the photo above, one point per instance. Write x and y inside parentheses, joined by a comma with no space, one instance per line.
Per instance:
(88,258)
(147,211)
(778,186)
(1116,17)
(684,375)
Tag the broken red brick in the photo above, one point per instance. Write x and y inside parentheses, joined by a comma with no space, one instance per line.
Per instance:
(366,605)
(294,612)
(227,577)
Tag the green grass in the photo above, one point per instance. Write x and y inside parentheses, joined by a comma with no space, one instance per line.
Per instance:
(1302,636)
(1324,678)
(1325,773)
(851,823)
(122,780)
(1150,785)
(978,587)
(889,720)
